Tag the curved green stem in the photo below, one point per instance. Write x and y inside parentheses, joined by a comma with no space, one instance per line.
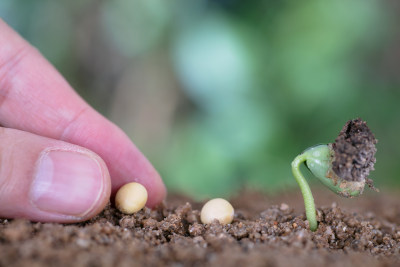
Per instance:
(306,191)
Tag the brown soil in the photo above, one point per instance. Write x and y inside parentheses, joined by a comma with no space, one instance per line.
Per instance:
(354,152)
(266,231)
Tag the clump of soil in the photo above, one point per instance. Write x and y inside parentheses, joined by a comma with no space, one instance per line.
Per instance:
(354,152)
(262,234)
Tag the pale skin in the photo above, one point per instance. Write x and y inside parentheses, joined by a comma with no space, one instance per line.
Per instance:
(49,133)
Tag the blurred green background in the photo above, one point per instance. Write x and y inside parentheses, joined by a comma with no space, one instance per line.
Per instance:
(223,94)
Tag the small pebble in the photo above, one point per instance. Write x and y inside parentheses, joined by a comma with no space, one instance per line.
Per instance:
(131,198)
(217,209)
(284,206)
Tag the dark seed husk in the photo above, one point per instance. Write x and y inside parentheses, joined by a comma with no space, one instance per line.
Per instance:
(354,152)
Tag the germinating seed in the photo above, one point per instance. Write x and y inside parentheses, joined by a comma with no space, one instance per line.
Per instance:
(131,198)
(217,209)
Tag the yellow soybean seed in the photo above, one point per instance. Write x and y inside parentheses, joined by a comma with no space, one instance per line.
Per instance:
(131,198)
(217,209)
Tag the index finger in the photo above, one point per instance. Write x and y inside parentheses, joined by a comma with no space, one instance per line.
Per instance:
(35,98)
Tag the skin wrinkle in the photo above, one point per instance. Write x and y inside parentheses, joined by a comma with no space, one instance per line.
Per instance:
(6,159)
(29,103)
(13,98)
(15,58)
(71,123)
(8,70)
(78,130)
(2,163)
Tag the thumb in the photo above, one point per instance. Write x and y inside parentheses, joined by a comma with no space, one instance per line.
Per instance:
(47,180)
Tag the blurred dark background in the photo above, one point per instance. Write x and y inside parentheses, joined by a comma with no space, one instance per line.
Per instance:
(223,94)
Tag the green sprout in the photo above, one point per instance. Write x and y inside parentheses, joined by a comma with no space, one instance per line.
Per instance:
(342,166)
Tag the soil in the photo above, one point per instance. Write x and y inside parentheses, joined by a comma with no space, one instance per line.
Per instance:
(354,152)
(266,231)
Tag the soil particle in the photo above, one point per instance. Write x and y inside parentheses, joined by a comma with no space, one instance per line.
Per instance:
(172,235)
(354,152)
(196,229)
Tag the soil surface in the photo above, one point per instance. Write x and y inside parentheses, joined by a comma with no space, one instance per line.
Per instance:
(266,231)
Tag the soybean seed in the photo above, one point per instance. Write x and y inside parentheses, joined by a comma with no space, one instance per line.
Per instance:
(131,198)
(217,209)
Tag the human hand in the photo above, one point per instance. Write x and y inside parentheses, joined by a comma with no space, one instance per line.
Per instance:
(57,154)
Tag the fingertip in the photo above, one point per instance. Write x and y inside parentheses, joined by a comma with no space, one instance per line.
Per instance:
(157,191)
(150,179)
(126,163)
(72,182)
(49,180)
